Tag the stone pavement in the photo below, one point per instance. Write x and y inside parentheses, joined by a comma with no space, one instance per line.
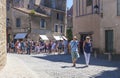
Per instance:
(57,66)
(16,68)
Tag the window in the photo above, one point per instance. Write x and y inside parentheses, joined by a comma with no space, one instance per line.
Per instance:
(22,3)
(60,16)
(42,23)
(118,7)
(57,16)
(47,3)
(88,2)
(77,7)
(18,22)
(61,29)
(7,22)
(8,5)
(56,28)
(28,6)
(31,4)
(59,4)
(17,3)
(53,4)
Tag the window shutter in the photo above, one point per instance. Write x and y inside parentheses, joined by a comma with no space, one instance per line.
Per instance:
(40,23)
(44,24)
(56,28)
(53,4)
(18,22)
(89,2)
(118,7)
(57,16)
(61,28)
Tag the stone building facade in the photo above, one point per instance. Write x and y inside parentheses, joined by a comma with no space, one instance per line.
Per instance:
(2,33)
(70,18)
(86,21)
(110,25)
(100,20)
(36,17)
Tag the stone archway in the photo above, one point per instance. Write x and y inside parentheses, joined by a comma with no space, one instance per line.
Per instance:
(3,50)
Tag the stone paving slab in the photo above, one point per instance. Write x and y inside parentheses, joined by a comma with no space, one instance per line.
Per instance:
(15,68)
(59,66)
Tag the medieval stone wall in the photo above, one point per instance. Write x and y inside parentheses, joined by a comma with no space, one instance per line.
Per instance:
(2,33)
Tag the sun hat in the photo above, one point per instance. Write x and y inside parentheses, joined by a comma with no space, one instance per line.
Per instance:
(87,37)
(75,37)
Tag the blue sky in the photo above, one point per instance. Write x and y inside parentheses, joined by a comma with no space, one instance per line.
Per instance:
(69,3)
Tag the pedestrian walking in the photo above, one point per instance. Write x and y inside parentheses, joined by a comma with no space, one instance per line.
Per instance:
(87,48)
(50,46)
(32,46)
(60,46)
(65,43)
(28,47)
(45,47)
(13,46)
(25,44)
(17,46)
(37,47)
(54,45)
(22,47)
(74,50)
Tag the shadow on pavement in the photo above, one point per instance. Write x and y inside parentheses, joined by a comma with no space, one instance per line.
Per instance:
(74,67)
(108,74)
(66,66)
(56,58)
(81,60)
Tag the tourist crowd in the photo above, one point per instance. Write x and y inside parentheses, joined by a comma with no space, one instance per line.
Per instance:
(30,46)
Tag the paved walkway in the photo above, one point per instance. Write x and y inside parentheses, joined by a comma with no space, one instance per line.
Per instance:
(57,66)
(16,68)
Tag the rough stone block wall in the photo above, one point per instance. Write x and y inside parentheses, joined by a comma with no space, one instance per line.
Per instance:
(2,33)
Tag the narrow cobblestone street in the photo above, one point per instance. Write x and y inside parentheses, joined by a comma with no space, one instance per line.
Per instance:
(58,66)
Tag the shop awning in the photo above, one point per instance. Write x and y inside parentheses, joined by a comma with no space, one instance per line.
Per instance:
(64,37)
(44,37)
(20,36)
(58,37)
